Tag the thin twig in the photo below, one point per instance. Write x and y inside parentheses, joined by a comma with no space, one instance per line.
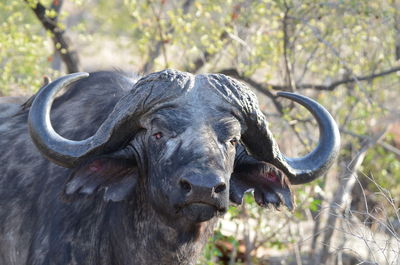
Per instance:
(348,179)
(288,68)
(385,145)
(162,41)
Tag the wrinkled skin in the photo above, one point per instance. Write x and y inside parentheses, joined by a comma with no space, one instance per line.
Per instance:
(189,151)
(153,200)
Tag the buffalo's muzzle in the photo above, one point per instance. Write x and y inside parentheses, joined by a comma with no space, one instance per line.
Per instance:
(204,196)
(200,185)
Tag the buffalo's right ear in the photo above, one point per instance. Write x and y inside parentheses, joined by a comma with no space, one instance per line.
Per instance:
(117,177)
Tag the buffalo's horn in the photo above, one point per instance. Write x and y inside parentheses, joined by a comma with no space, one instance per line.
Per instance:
(316,163)
(53,146)
(65,152)
(260,142)
(120,126)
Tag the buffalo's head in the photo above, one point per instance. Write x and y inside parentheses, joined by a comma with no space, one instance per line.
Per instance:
(189,143)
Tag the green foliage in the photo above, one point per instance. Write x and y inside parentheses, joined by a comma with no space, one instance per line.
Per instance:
(24,49)
(211,252)
(270,41)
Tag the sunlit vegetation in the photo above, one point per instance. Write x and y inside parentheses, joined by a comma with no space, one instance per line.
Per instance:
(345,54)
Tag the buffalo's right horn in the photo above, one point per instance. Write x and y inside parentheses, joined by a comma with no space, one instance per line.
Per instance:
(303,169)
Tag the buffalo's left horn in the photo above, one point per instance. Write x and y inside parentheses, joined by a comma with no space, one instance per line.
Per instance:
(53,146)
(121,125)
(68,153)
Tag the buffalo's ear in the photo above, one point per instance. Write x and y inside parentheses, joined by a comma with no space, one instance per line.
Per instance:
(271,186)
(117,177)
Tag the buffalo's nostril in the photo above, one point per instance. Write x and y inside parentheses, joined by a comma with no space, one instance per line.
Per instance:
(220,188)
(185,185)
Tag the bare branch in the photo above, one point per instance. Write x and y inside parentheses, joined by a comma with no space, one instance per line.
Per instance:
(306,64)
(352,80)
(61,42)
(396,8)
(288,68)
(385,145)
(162,41)
(330,87)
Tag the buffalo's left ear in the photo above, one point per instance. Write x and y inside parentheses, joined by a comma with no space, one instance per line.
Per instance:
(117,177)
(271,186)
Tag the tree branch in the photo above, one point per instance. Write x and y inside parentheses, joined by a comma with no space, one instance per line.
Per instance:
(154,53)
(233,72)
(396,8)
(333,85)
(288,69)
(161,33)
(61,42)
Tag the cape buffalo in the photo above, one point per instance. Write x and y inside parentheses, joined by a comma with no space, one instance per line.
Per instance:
(118,171)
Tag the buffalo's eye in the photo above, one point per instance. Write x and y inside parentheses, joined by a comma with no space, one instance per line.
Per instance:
(158,135)
(233,141)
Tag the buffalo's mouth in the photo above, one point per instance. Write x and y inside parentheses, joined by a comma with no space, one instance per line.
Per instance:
(200,211)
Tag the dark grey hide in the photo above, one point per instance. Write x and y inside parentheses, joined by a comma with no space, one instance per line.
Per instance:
(9,106)
(152,194)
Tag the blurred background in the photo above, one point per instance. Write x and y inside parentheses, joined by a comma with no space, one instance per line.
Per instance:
(343,53)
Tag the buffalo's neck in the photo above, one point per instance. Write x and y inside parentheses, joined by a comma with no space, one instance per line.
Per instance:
(140,236)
